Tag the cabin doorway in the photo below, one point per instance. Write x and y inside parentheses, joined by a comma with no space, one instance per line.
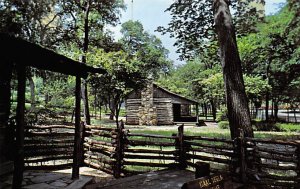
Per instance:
(176,112)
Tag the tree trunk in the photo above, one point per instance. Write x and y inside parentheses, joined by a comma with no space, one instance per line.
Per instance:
(95,105)
(267,106)
(288,113)
(73,114)
(276,108)
(236,99)
(118,104)
(32,93)
(205,111)
(272,109)
(256,112)
(86,109)
(46,98)
(214,109)
(100,112)
(85,49)
(295,117)
(112,108)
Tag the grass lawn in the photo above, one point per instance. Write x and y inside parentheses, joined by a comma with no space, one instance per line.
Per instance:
(213,132)
(205,131)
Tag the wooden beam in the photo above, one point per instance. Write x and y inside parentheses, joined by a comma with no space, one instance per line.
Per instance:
(19,155)
(77,139)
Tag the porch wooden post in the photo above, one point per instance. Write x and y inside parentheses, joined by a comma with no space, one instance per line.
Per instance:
(77,138)
(19,155)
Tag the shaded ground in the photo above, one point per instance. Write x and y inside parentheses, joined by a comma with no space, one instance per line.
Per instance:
(165,179)
(57,179)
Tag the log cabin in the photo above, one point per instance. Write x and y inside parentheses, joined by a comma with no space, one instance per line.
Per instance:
(17,54)
(155,105)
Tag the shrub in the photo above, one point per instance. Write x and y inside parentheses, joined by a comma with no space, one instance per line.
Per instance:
(222,115)
(264,126)
(223,125)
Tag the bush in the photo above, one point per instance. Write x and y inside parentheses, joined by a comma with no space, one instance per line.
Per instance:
(222,115)
(288,127)
(260,125)
(223,125)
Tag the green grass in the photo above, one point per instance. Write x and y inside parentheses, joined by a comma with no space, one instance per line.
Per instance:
(288,127)
(103,122)
(288,131)
(218,133)
(223,125)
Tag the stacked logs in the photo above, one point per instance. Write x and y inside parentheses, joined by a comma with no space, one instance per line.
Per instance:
(100,148)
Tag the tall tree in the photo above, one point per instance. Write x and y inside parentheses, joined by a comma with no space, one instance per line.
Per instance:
(193,25)
(91,17)
(236,99)
(145,47)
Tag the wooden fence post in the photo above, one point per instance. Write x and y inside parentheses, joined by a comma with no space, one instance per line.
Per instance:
(119,155)
(298,165)
(240,152)
(202,169)
(181,147)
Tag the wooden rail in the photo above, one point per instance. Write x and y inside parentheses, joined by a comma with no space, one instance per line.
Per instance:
(48,147)
(273,163)
(100,148)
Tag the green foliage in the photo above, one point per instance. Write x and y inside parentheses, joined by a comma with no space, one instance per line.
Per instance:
(256,88)
(222,115)
(212,87)
(145,48)
(268,58)
(223,125)
(192,24)
(143,57)
(60,92)
(180,79)
(288,127)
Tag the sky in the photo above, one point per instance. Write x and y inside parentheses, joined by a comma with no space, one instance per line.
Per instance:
(151,14)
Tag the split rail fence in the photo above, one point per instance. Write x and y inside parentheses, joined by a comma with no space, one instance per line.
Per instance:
(48,147)
(119,152)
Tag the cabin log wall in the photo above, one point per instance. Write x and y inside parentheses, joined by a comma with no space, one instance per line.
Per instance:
(154,105)
(163,106)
